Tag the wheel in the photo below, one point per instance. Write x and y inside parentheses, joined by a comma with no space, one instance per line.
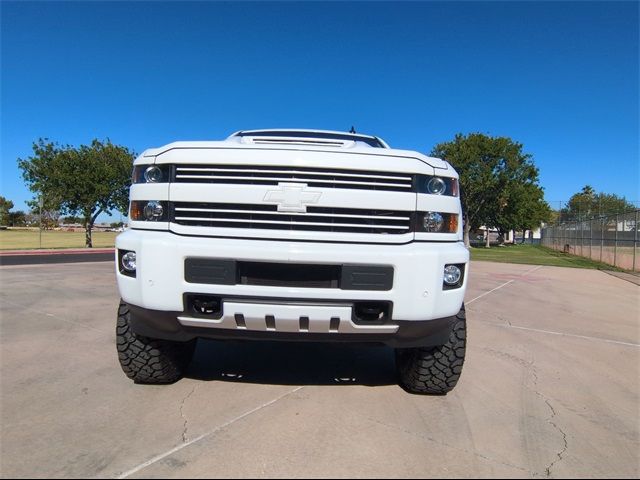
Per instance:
(149,360)
(434,370)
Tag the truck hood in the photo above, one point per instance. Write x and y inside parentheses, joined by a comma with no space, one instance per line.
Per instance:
(404,157)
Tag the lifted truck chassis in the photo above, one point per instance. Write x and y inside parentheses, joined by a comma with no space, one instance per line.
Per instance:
(293,236)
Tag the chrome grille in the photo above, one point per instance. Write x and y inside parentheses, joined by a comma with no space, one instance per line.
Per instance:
(314,177)
(320,219)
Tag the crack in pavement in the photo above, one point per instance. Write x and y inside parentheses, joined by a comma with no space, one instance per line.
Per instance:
(550,421)
(455,447)
(530,366)
(505,320)
(184,417)
(564,439)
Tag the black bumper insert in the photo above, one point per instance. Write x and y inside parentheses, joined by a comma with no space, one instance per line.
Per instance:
(230,272)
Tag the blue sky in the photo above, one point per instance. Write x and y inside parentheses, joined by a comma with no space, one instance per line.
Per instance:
(561,78)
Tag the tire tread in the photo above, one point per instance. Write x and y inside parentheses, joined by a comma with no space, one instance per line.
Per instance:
(148,360)
(434,370)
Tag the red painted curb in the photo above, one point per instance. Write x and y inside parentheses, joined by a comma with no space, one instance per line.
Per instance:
(56,252)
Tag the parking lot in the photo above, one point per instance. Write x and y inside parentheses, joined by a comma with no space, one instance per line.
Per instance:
(550,387)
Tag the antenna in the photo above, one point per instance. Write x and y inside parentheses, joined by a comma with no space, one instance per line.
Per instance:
(353,130)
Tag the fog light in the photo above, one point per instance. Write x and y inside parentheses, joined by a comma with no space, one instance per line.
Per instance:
(153,210)
(128,261)
(452,275)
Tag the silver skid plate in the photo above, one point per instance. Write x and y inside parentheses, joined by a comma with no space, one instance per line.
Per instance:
(263,317)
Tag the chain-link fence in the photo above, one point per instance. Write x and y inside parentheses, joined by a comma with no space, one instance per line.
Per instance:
(610,239)
(566,211)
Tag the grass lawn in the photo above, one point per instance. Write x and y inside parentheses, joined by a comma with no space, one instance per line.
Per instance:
(29,239)
(535,255)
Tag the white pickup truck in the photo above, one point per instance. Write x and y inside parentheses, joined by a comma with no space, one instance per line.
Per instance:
(293,235)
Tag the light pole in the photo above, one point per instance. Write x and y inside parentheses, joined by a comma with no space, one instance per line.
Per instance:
(40,203)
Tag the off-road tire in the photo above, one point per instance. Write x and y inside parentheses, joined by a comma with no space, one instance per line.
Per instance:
(434,370)
(149,360)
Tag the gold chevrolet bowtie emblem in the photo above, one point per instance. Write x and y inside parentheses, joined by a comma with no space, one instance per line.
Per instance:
(292,197)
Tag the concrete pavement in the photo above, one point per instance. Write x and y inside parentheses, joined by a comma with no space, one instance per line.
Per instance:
(550,388)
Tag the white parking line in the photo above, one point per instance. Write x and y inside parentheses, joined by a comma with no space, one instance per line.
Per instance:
(551,332)
(490,291)
(204,435)
(531,270)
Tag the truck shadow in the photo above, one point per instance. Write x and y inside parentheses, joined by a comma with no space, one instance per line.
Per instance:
(282,363)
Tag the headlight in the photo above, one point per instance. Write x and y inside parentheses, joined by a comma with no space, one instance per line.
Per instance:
(153,211)
(148,210)
(437,222)
(151,174)
(432,222)
(437,185)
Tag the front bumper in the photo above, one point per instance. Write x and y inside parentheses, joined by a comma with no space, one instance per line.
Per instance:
(417,293)
(403,334)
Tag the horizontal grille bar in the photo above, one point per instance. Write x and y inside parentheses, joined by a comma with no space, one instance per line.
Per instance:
(271,170)
(339,215)
(269,175)
(268,217)
(275,180)
(285,222)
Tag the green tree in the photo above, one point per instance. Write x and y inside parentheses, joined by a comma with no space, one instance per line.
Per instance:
(72,219)
(492,172)
(48,219)
(17,219)
(588,204)
(5,206)
(85,181)
(524,207)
